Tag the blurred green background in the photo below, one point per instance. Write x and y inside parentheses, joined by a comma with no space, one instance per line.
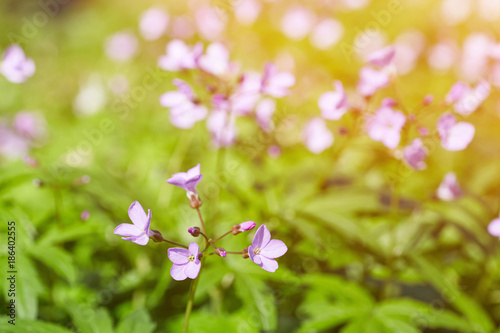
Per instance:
(371,249)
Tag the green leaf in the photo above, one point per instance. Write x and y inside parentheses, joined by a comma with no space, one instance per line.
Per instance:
(259,302)
(28,289)
(30,326)
(473,311)
(57,259)
(90,320)
(138,321)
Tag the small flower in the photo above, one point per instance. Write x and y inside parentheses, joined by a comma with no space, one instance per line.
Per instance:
(382,57)
(188,181)
(494,227)
(179,56)
(85,215)
(220,252)
(276,83)
(186,262)
(264,113)
(297,22)
(371,80)
(15,66)
(153,23)
(454,135)
(264,249)
(385,126)
(472,98)
(333,104)
(121,46)
(428,99)
(215,60)
(415,153)
(449,189)
(194,231)
(316,136)
(30,125)
(138,232)
(244,226)
(222,126)
(185,111)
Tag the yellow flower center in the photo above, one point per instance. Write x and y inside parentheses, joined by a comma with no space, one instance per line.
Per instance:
(256,251)
(191,258)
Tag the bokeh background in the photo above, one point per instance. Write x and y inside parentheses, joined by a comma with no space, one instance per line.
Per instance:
(371,248)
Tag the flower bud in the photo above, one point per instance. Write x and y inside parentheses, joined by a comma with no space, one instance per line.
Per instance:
(85,215)
(155,235)
(245,226)
(245,253)
(220,252)
(194,231)
(427,100)
(194,199)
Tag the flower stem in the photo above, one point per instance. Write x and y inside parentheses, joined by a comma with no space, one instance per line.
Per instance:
(228,252)
(174,243)
(192,291)
(227,233)
(201,220)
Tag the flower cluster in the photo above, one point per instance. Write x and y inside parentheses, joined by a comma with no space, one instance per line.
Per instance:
(15,66)
(227,93)
(187,259)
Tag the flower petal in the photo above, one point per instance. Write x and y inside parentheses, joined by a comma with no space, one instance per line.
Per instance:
(192,269)
(127,229)
(177,272)
(254,257)
(194,249)
(269,265)
(261,238)
(274,249)
(178,255)
(494,227)
(141,240)
(138,215)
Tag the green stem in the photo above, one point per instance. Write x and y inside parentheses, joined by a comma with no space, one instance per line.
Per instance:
(192,291)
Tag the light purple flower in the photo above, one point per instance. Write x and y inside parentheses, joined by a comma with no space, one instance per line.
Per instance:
(382,57)
(121,46)
(153,23)
(449,189)
(210,22)
(185,111)
(494,227)
(12,145)
(15,66)
(297,22)
(456,92)
(222,126)
(415,153)
(264,250)
(316,135)
(389,102)
(276,83)
(179,56)
(187,180)
(244,99)
(215,60)
(385,126)
(371,80)
(472,98)
(264,113)
(247,11)
(326,33)
(454,135)
(30,125)
(138,232)
(186,262)
(333,104)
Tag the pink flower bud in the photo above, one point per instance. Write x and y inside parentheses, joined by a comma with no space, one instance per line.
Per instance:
(245,226)
(85,215)
(220,252)
(195,231)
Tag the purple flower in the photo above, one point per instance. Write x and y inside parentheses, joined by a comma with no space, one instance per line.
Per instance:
(264,249)
(371,80)
(30,125)
(222,126)
(215,60)
(449,189)
(185,111)
(456,92)
(15,66)
(138,232)
(494,227)
(333,104)
(264,113)
(316,136)
(276,83)
(415,153)
(472,98)
(186,262)
(454,135)
(153,23)
(122,46)
(187,180)
(244,226)
(179,56)
(382,57)
(385,126)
